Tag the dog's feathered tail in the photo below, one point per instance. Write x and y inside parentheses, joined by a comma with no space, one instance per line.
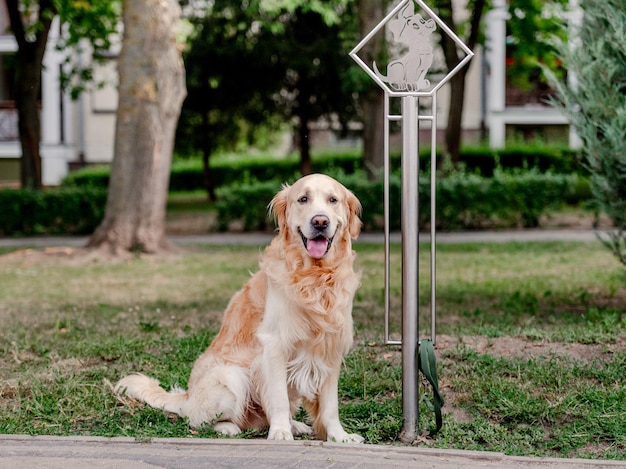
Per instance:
(146,389)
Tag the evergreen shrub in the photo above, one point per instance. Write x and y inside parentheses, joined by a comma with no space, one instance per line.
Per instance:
(595,103)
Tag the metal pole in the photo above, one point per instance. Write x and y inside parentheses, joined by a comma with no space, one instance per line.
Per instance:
(387,169)
(410,267)
(386,172)
(433,220)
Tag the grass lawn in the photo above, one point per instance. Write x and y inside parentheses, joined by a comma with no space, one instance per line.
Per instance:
(531,343)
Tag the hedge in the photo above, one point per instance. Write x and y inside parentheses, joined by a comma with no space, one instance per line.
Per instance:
(25,212)
(464,201)
(187,175)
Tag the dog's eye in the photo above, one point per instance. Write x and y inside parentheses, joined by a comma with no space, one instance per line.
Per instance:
(303,200)
(332,199)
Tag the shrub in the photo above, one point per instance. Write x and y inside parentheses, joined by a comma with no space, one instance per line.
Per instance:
(247,203)
(187,175)
(487,161)
(464,201)
(69,210)
(93,176)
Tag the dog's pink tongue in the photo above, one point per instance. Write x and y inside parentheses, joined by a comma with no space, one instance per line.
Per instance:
(317,247)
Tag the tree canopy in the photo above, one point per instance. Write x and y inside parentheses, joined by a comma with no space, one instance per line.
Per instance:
(268,62)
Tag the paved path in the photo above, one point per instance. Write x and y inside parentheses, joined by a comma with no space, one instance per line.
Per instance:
(40,452)
(264,238)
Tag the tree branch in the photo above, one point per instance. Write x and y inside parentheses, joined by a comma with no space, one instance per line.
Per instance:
(17,25)
(475,21)
(449,47)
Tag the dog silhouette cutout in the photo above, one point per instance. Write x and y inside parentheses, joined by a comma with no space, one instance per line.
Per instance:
(408,72)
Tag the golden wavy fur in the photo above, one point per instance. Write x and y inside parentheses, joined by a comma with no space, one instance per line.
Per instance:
(285,333)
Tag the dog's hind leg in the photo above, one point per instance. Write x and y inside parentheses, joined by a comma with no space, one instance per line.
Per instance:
(227,428)
(300,428)
(221,395)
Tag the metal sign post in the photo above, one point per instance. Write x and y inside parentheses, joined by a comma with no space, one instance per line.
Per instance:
(409,30)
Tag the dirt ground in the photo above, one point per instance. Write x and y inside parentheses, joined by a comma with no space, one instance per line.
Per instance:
(513,347)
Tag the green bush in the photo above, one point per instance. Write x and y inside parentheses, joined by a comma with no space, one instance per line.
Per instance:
(187,175)
(487,161)
(246,203)
(512,199)
(68,210)
(89,176)
(464,200)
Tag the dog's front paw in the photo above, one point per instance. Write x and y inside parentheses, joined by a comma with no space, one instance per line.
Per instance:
(279,434)
(345,438)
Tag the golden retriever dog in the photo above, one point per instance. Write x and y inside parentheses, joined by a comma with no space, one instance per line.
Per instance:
(285,333)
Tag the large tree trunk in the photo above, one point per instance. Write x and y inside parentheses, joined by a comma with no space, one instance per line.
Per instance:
(455,115)
(151,93)
(372,101)
(28,79)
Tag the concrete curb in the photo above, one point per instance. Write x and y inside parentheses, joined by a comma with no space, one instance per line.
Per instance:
(17,451)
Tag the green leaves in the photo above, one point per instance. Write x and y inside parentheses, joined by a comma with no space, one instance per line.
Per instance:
(328,10)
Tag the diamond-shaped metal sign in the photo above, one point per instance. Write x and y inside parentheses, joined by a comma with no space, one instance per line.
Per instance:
(412,42)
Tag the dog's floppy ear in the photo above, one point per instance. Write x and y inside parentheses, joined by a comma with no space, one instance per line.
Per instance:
(278,208)
(354,210)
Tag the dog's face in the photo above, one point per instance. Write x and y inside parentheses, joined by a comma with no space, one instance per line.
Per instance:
(316,210)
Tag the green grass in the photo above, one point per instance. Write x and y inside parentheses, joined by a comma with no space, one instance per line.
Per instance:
(547,379)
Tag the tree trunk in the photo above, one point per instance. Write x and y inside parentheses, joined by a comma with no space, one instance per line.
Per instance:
(28,79)
(370,14)
(455,116)
(207,175)
(373,129)
(28,85)
(452,57)
(151,93)
(305,146)
(206,156)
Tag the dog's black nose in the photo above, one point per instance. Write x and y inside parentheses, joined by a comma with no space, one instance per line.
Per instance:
(320,222)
